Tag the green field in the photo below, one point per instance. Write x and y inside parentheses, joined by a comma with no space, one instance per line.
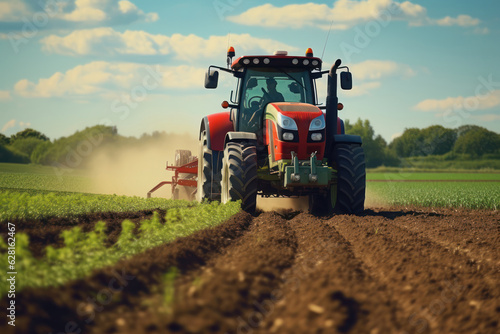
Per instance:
(471,195)
(25,204)
(34,177)
(410,176)
(86,251)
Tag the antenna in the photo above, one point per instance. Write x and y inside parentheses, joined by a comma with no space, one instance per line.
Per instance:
(326,41)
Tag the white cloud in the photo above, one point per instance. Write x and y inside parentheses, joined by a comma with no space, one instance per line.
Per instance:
(107,41)
(461,20)
(70,14)
(367,75)
(14,124)
(10,124)
(4,95)
(344,14)
(479,102)
(375,69)
(363,88)
(12,10)
(107,79)
(481,31)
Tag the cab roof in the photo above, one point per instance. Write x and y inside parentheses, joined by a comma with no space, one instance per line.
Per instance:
(309,63)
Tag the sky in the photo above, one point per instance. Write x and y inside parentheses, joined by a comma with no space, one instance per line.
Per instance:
(139,65)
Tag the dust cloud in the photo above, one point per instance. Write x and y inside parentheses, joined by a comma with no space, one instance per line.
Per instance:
(134,167)
(273,204)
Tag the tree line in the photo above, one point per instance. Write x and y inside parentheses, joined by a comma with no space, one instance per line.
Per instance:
(465,142)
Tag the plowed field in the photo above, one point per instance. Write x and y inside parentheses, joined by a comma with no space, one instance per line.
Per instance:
(386,271)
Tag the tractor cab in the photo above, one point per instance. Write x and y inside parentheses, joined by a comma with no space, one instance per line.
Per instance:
(266,79)
(263,85)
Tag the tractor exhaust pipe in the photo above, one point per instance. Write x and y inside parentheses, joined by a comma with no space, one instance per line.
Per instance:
(331,106)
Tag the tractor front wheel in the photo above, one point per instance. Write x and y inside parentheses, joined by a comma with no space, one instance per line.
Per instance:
(239,174)
(351,178)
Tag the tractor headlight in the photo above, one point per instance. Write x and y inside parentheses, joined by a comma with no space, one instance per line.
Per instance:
(317,136)
(288,136)
(318,123)
(286,123)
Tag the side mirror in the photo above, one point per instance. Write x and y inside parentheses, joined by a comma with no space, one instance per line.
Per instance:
(346,80)
(211,79)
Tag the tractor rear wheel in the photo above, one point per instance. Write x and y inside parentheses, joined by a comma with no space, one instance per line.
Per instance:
(351,178)
(208,179)
(239,174)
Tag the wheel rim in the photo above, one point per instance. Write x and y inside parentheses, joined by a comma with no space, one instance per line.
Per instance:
(224,182)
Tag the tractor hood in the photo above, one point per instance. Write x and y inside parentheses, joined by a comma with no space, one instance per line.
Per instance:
(301,113)
(297,127)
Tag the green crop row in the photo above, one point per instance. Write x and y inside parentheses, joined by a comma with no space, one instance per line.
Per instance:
(37,204)
(86,251)
(472,195)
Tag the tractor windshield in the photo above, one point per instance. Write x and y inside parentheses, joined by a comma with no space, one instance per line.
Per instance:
(264,85)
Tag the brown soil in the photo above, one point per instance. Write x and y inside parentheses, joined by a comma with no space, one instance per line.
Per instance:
(387,271)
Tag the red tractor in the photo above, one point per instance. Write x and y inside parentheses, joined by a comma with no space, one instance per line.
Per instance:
(276,140)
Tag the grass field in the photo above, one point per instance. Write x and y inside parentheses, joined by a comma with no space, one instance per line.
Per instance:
(472,195)
(34,177)
(412,176)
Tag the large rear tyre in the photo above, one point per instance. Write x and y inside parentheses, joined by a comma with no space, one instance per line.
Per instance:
(351,178)
(239,174)
(208,179)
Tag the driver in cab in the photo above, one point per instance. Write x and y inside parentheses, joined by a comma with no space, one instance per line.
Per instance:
(272,95)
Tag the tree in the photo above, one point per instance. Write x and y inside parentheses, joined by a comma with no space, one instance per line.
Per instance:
(9,155)
(28,133)
(26,145)
(433,140)
(4,140)
(438,140)
(375,147)
(477,141)
(409,144)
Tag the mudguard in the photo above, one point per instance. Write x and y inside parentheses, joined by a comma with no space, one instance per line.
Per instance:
(235,136)
(346,139)
(217,126)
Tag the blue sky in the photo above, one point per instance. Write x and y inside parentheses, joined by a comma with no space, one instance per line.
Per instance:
(68,64)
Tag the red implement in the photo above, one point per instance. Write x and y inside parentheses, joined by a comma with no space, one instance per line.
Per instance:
(190,170)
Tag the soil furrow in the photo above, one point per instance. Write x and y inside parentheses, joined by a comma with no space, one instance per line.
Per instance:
(225,295)
(327,290)
(437,290)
